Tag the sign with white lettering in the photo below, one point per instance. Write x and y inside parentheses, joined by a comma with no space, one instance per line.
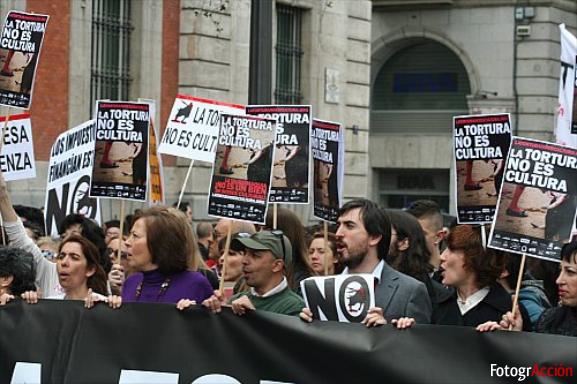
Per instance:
(481,144)
(538,200)
(121,152)
(21,40)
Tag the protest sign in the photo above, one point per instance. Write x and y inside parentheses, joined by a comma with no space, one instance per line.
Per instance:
(542,178)
(121,151)
(242,171)
(192,128)
(21,42)
(566,130)
(75,345)
(345,298)
(481,144)
(69,173)
(17,154)
(290,176)
(328,151)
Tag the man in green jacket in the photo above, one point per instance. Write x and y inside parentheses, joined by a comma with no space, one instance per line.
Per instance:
(266,254)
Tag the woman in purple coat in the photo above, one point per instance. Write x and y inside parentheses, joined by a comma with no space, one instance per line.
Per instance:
(162,249)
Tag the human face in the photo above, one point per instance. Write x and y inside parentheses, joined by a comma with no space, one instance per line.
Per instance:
(189,213)
(259,269)
(139,257)
(453,267)
(72,267)
(318,257)
(353,239)
(233,265)
(111,234)
(567,283)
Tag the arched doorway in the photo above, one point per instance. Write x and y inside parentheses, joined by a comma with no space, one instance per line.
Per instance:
(416,92)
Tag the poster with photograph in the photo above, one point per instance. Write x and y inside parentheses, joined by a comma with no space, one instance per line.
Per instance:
(192,128)
(20,46)
(121,151)
(481,144)
(68,179)
(344,298)
(245,151)
(290,176)
(566,127)
(538,200)
(328,150)
(17,155)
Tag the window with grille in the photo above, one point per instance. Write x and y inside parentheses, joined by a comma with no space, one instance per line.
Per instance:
(110,66)
(288,55)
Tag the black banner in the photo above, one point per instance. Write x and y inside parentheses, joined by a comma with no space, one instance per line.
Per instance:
(76,345)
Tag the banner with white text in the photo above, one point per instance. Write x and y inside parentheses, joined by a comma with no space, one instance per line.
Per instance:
(20,45)
(481,144)
(290,176)
(241,174)
(538,199)
(121,151)
(328,149)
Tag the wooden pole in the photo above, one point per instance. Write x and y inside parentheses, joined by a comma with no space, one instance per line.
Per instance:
(326,245)
(4,126)
(226,249)
(483,236)
(517,288)
(274,216)
(184,184)
(119,252)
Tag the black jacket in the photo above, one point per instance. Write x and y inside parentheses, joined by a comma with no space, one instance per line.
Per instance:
(491,308)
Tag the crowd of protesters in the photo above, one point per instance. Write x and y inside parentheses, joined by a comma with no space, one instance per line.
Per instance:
(424,273)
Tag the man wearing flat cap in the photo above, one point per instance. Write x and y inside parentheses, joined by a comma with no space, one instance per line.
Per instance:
(263,265)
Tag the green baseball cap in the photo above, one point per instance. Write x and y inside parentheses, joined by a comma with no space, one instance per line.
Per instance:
(274,241)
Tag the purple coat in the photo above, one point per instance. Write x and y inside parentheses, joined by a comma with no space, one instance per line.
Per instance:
(182,285)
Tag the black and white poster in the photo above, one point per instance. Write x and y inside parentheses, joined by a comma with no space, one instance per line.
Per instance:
(20,46)
(242,171)
(328,150)
(290,176)
(68,180)
(121,151)
(538,200)
(481,144)
(345,298)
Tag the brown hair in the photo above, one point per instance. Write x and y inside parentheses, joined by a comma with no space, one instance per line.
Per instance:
(332,243)
(170,240)
(484,263)
(97,282)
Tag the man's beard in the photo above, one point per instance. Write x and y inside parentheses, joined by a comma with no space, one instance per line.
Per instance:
(356,257)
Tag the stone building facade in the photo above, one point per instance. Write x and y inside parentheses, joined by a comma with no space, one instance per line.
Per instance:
(440,58)
(200,48)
